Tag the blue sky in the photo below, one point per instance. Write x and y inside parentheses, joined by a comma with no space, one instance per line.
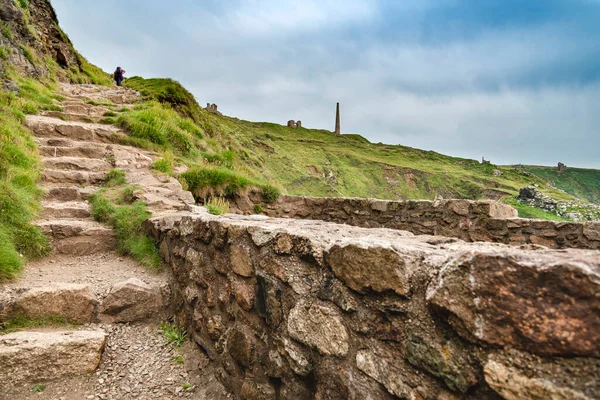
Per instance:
(516,81)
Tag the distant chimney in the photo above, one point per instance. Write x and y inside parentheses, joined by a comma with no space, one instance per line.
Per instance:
(337,119)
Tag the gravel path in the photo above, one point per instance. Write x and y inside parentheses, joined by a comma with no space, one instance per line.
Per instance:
(137,364)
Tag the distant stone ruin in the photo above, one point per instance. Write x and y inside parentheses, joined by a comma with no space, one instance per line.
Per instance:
(213,108)
(484,161)
(294,124)
(561,168)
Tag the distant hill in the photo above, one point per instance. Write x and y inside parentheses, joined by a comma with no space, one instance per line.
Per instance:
(579,182)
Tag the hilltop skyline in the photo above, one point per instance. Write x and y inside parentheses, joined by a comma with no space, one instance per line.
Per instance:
(514,81)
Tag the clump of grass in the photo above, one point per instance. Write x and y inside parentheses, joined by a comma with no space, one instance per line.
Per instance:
(217,206)
(164,164)
(161,126)
(175,336)
(3,54)
(205,182)
(127,220)
(178,359)
(110,114)
(29,55)
(258,209)
(115,177)
(270,193)
(20,323)
(168,91)
(38,388)
(6,31)
(186,386)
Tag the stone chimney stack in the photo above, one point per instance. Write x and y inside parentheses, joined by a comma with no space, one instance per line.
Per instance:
(337,119)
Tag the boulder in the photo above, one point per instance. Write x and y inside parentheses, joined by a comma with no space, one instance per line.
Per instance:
(319,326)
(73,302)
(41,356)
(545,303)
(385,373)
(130,301)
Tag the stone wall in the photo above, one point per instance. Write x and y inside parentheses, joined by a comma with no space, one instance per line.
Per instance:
(294,309)
(471,221)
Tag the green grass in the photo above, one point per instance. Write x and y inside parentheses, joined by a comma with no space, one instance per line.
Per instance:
(167,91)
(178,359)
(217,206)
(157,124)
(19,174)
(115,177)
(579,182)
(258,209)
(39,387)
(205,182)
(174,335)
(127,221)
(527,211)
(20,323)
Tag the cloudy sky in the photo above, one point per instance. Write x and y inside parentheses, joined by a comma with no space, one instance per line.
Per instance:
(516,81)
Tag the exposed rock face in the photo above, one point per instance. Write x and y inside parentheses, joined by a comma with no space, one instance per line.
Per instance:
(130,301)
(310,309)
(41,33)
(42,356)
(73,302)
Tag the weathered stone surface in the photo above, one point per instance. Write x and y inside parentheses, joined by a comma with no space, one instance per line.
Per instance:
(73,302)
(130,301)
(241,263)
(319,326)
(443,361)
(243,293)
(298,358)
(241,345)
(368,264)
(41,356)
(515,383)
(384,373)
(546,304)
(591,230)
(268,300)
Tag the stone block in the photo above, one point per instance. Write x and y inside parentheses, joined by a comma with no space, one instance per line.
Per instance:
(369,265)
(543,302)
(318,326)
(130,301)
(240,260)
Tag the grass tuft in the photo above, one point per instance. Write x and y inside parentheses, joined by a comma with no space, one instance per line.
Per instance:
(115,177)
(217,206)
(127,220)
(175,336)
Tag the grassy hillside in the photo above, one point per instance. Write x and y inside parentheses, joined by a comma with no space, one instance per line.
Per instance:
(314,162)
(581,183)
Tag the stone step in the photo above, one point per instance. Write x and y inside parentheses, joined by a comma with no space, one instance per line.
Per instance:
(38,356)
(73,177)
(75,108)
(54,127)
(68,116)
(78,237)
(72,302)
(65,209)
(77,164)
(85,151)
(68,193)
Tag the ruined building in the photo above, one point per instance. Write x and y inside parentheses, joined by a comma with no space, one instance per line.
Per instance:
(561,168)
(212,108)
(294,124)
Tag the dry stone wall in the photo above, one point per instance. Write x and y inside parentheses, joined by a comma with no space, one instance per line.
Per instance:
(471,221)
(295,309)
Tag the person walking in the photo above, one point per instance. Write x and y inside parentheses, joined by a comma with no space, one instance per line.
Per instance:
(118,75)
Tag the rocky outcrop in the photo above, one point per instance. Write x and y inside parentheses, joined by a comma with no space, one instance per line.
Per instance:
(42,356)
(471,221)
(297,309)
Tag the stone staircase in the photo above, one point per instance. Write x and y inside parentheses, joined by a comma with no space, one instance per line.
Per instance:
(84,281)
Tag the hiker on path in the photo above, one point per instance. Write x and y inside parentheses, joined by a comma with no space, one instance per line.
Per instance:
(118,75)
